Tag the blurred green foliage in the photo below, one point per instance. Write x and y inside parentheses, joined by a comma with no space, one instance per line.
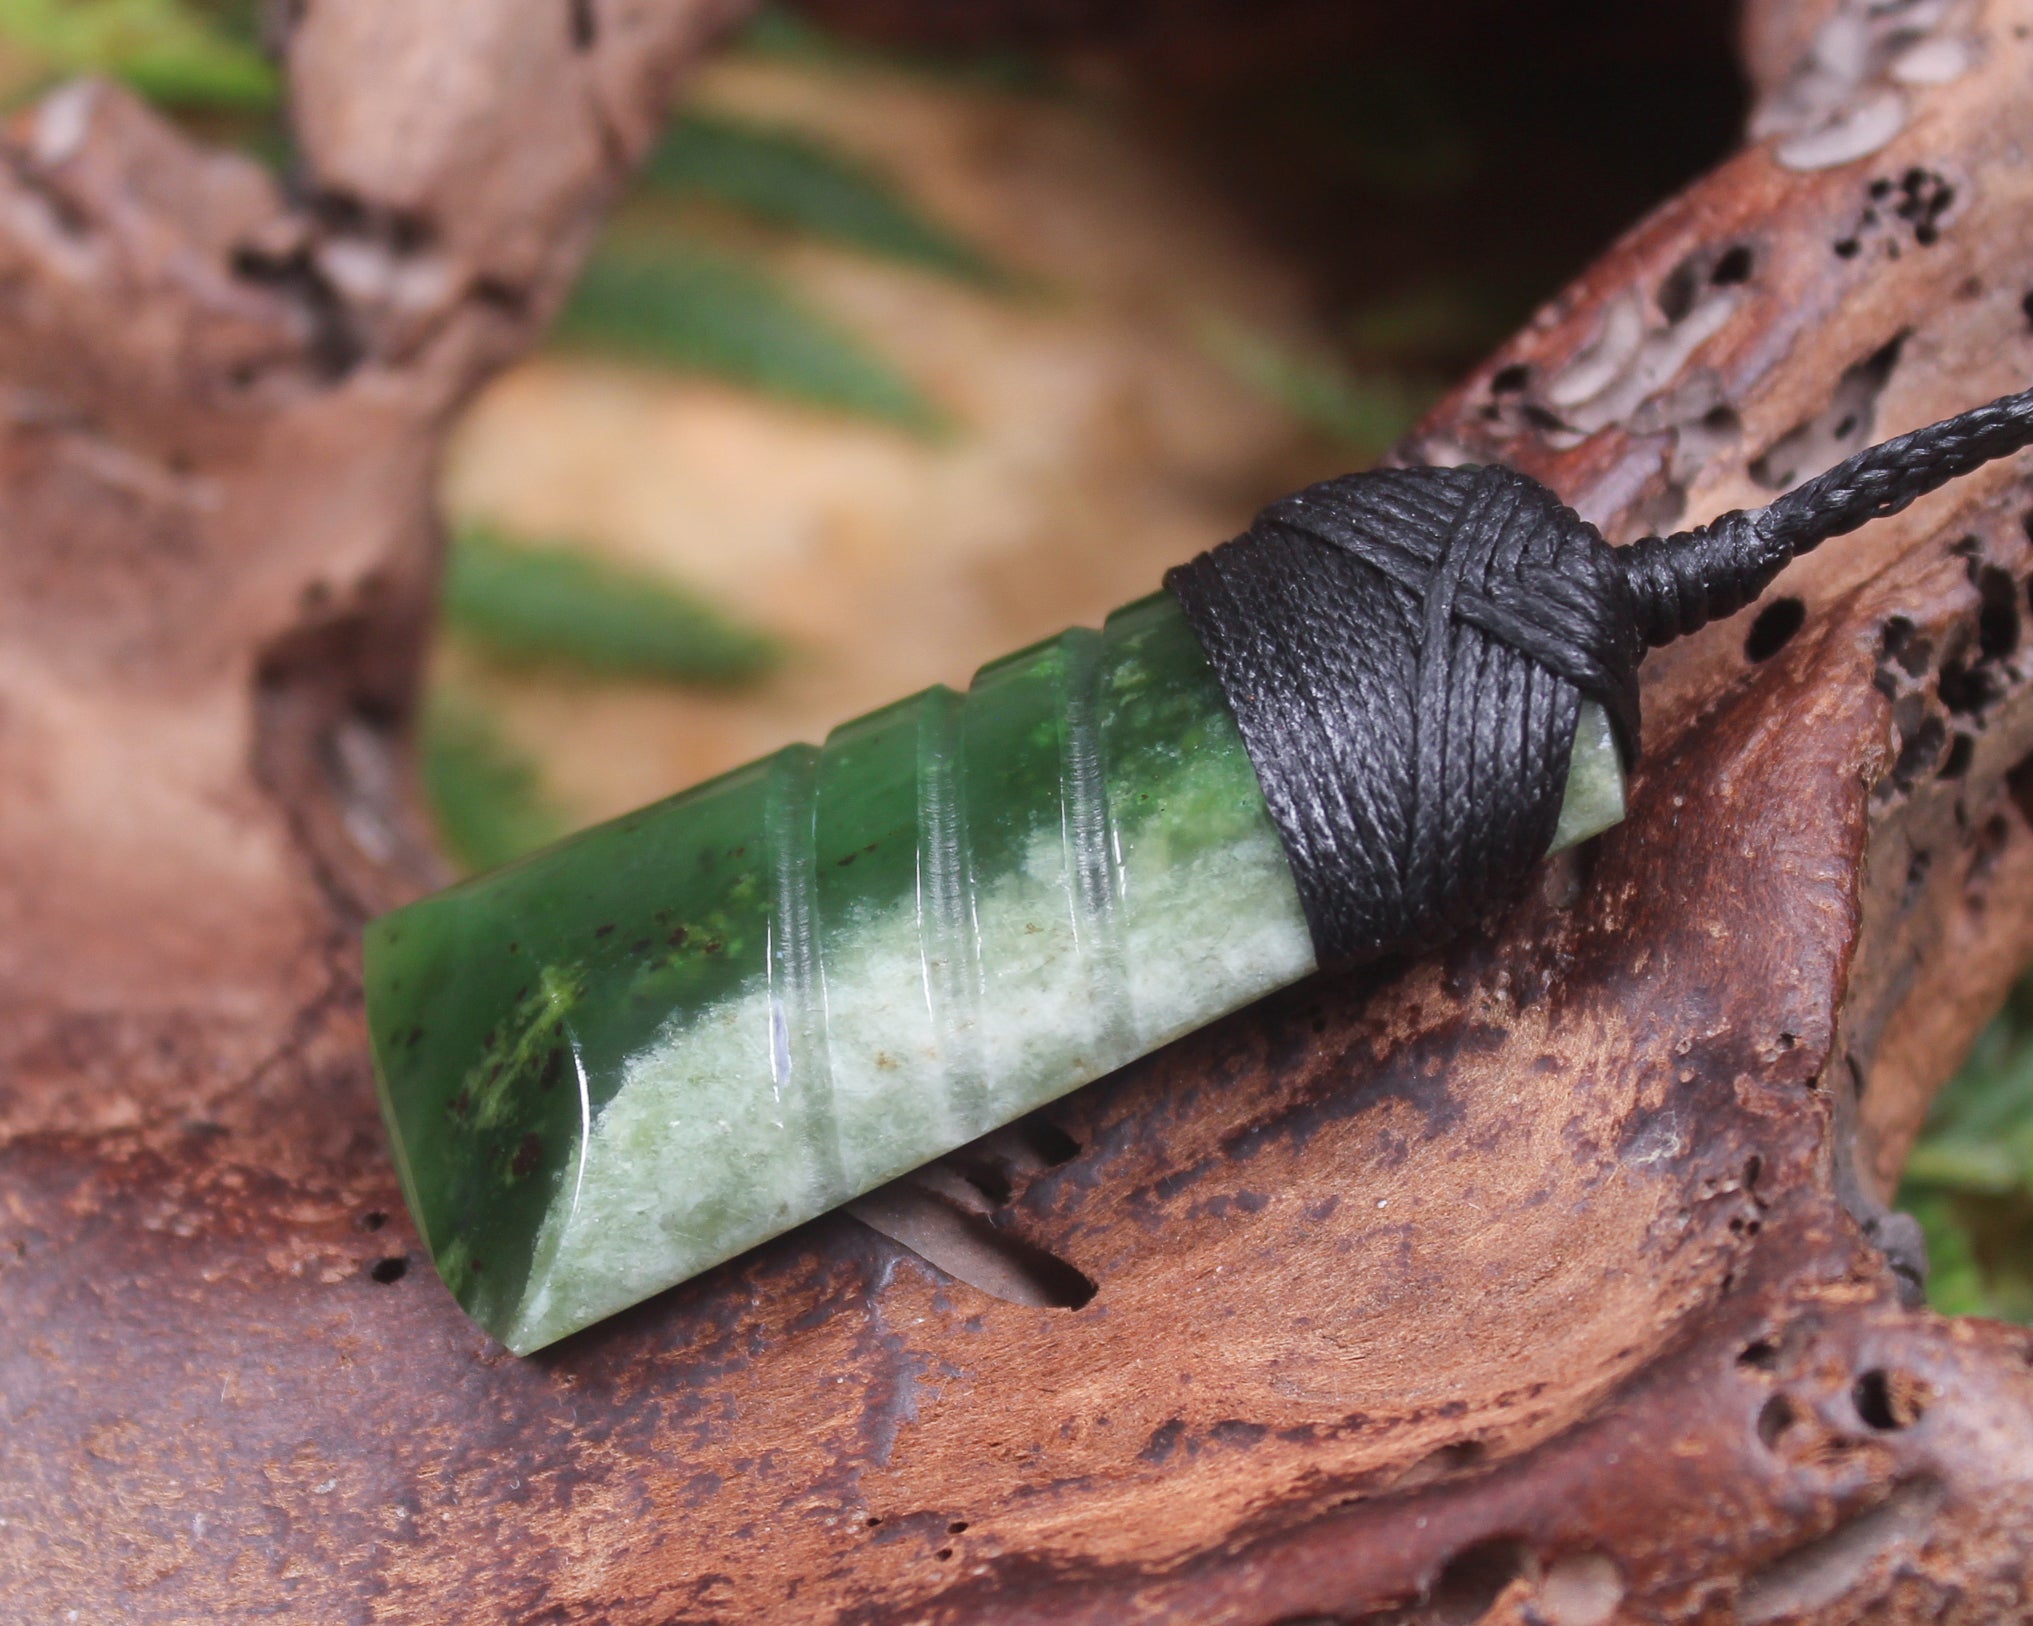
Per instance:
(486,796)
(779,32)
(672,287)
(705,311)
(1391,126)
(1970,1180)
(1459,319)
(559,605)
(1361,413)
(181,54)
(789,180)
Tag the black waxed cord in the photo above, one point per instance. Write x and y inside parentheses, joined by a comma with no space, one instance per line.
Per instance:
(1683,582)
(1405,653)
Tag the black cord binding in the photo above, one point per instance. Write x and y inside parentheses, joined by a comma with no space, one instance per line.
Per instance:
(1406,652)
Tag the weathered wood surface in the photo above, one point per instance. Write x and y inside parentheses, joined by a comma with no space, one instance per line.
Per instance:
(1545,1282)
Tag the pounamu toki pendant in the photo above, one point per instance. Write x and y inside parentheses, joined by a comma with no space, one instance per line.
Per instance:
(639,1052)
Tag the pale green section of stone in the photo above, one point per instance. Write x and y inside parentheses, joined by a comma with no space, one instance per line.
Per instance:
(1595,781)
(1201,939)
(649,1202)
(682,1146)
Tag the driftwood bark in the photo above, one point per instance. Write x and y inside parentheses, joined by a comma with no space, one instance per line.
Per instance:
(1550,1281)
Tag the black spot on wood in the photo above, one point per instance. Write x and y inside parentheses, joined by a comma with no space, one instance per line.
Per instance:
(1734,267)
(1468,1588)
(1960,749)
(1773,629)
(1919,750)
(1774,1418)
(1678,292)
(1968,690)
(1997,613)
(1163,1442)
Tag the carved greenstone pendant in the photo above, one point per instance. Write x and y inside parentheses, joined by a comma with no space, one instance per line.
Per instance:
(642,1051)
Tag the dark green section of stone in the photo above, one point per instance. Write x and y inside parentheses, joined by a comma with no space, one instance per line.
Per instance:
(505,1011)
(489,1002)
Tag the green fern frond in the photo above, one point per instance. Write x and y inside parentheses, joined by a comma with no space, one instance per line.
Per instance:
(1955,1280)
(556,605)
(486,798)
(779,32)
(171,52)
(1970,1179)
(1979,1135)
(789,180)
(1363,414)
(705,312)
(1436,319)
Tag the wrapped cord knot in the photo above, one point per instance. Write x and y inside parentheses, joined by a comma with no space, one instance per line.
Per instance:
(1678,584)
(1405,653)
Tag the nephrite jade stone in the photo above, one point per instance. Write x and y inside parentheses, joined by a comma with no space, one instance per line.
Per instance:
(630,1056)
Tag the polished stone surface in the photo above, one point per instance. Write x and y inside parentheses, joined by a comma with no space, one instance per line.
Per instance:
(633,1055)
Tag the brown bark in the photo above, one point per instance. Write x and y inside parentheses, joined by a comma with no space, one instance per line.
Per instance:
(1545,1281)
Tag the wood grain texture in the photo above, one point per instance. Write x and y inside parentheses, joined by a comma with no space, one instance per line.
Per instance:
(1546,1281)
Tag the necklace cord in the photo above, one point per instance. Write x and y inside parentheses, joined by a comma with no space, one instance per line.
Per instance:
(1405,653)
(1681,583)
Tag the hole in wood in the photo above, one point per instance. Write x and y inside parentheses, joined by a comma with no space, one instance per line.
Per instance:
(1474,1579)
(2019,786)
(1924,198)
(1840,428)
(1967,689)
(1960,749)
(391,1269)
(993,1168)
(1997,613)
(971,1248)
(1920,748)
(1052,1144)
(991,1179)
(1901,647)
(1889,1401)
(1442,1461)
(1677,292)
(1734,267)
(1773,629)
(1775,1416)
